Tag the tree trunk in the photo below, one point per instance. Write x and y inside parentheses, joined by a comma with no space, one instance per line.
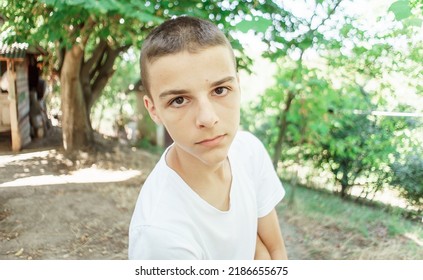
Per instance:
(282,125)
(283,122)
(344,180)
(77,131)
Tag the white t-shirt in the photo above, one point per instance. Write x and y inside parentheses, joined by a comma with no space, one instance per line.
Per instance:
(171,221)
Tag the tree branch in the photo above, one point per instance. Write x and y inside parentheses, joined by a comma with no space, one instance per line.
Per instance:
(95,57)
(329,15)
(103,73)
(86,31)
(60,53)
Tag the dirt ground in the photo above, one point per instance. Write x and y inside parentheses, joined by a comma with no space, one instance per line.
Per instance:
(54,206)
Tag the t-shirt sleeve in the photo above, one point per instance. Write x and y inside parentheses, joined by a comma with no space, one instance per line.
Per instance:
(152,243)
(269,189)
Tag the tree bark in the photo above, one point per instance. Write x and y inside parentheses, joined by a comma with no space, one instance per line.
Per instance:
(282,124)
(97,71)
(76,127)
(88,71)
(104,72)
(344,180)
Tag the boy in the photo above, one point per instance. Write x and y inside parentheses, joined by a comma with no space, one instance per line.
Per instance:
(213,192)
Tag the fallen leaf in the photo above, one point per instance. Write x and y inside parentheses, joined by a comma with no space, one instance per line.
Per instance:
(18,253)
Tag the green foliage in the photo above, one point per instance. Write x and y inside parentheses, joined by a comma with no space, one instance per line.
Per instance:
(356,150)
(258,24)
(409,12)
(307,119)
(408,177)
(401,9)
(146,145)
(327,110)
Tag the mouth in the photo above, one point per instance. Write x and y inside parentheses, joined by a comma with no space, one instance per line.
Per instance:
(210,142)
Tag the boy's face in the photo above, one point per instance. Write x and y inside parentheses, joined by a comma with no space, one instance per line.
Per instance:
(196,96)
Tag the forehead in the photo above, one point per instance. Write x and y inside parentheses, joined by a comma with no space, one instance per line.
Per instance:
(186,70)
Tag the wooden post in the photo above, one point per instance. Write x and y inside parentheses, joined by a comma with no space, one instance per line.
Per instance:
(13,107)
(19,103)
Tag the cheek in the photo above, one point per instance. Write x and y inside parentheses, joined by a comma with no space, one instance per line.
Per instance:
(175,122)
(232,108)
(175,117)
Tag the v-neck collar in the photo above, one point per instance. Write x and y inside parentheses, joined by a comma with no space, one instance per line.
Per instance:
(194,194)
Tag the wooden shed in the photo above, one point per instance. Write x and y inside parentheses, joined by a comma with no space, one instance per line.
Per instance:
(16,61)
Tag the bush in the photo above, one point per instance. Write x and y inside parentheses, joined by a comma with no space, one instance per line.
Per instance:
(408,178)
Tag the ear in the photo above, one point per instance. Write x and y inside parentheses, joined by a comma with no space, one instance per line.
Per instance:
(149,105)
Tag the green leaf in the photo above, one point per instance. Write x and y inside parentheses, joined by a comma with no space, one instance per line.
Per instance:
(95,6)
(417,22)
(145,17)
(401,9)
(76,2)
(49,2)
(258,24)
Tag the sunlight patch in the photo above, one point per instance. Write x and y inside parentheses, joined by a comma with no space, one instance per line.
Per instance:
(19,157)
(87,175)
(414,238)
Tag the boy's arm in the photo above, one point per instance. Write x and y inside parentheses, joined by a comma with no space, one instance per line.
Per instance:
(261,250)
(269,233)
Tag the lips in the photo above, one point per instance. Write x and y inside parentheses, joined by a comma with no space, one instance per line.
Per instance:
(210,142)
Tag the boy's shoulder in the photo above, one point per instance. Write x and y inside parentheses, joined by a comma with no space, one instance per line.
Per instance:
(247,150)
(247,142)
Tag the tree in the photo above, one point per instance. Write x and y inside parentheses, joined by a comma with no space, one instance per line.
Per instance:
(349,55)
(295,36)
(324,114)
(358,146)
(88,36)
(408,166)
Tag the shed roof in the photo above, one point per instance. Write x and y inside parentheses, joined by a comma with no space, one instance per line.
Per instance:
(19,50)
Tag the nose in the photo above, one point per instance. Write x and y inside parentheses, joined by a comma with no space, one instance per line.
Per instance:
(206,114)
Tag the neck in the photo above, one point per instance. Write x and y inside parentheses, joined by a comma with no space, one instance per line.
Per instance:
(211,182)
(189,167)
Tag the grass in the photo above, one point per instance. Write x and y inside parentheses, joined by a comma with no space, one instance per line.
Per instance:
(328,227)
(146,145)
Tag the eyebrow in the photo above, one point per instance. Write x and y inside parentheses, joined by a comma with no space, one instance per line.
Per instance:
(222,81)
(172,92)
(184,91)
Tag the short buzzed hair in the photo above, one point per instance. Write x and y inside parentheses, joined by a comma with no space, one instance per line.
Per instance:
(177,35)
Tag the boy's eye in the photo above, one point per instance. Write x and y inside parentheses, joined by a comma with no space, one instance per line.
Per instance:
(178,102)
(221,91)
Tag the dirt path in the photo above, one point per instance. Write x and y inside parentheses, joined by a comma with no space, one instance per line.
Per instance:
(55,208)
